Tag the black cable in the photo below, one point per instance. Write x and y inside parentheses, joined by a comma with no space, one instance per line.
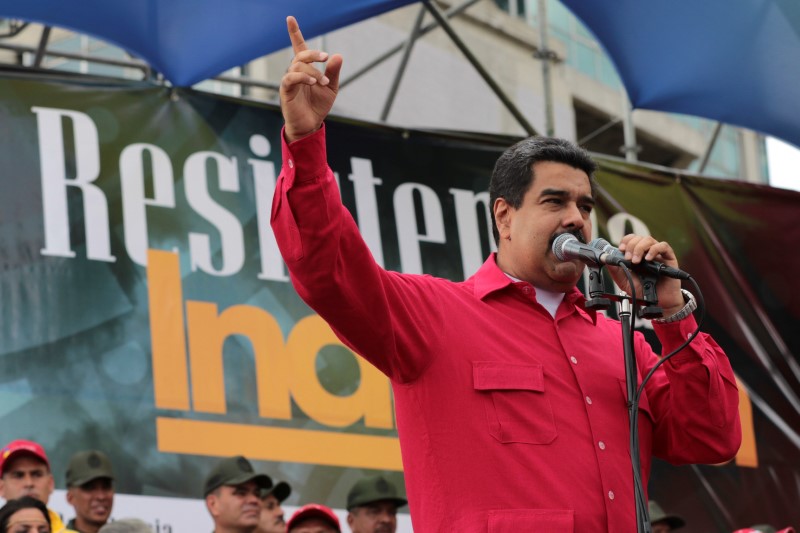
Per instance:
(634,438)
(701,306)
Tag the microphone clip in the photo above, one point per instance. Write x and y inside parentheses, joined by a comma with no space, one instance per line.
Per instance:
(648,303)
(597,299)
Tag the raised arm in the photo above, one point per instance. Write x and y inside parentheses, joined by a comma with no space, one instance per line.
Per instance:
(307,94)
(373,311)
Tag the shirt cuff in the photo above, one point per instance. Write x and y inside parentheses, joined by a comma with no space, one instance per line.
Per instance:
(673,334)
(304,159)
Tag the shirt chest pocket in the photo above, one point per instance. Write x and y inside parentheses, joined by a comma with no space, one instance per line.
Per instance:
(516,405)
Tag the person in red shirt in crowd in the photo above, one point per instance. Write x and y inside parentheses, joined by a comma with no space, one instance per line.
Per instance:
(510,394)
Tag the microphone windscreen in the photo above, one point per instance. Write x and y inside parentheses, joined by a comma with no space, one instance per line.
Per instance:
(559,243)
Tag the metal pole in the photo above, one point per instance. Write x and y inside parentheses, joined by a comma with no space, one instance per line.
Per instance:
(450,13)
(631,149)
(479,68)
(545,55)
(409,46)
(602,129)
(710,148)
(37,61)
(79,57)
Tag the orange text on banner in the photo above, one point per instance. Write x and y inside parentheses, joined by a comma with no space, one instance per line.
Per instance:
(284,371)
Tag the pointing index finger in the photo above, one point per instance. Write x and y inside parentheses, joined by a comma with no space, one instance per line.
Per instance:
(298,43)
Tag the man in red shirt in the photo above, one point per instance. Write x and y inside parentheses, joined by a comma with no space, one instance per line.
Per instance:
(510,395)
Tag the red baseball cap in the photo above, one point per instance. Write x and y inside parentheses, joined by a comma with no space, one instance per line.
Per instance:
(17,447)
(314,510)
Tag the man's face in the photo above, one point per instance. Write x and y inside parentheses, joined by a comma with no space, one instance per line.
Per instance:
(661,527)
(313,525)
(235,507)
(271,516)
(26,475)
(92,501)
(558,201)
(376,517)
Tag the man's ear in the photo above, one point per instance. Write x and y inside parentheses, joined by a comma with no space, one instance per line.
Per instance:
(350,519)
(51,485)
(70,494)
(211,504)
(503,213)
(2,489)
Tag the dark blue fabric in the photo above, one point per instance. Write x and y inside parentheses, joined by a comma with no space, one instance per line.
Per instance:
(191,40)
(736,61)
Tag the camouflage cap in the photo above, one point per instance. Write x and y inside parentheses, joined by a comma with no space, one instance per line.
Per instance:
(234,471)
(373,489)
(87,466)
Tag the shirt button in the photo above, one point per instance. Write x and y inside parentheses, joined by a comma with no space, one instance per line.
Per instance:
(601,445)
(611,495)
(574,360)
(291,164)
(526,290)
(589,400)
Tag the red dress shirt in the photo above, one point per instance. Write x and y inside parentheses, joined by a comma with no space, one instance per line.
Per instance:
(509,420)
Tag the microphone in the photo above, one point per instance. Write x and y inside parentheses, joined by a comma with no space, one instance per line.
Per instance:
(600,252)
(567,247)
(614,256)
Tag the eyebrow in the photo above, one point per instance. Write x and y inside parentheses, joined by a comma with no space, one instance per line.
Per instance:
(564,194)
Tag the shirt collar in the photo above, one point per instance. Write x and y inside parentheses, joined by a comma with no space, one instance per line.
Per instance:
(489,278)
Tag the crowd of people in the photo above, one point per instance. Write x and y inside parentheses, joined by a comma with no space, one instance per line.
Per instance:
(239,499)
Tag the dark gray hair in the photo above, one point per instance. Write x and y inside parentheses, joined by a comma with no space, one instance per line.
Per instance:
(513,172)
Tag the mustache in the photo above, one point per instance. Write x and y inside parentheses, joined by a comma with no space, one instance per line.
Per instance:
(578,234)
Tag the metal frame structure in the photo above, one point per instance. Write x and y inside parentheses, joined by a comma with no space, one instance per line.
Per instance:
(440,19)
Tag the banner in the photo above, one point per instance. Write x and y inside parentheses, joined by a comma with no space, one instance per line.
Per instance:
(145,309)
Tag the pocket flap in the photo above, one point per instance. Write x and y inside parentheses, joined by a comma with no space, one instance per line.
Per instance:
(491,375)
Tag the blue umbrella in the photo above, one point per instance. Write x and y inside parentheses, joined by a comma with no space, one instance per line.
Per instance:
(191,40)
(735,61)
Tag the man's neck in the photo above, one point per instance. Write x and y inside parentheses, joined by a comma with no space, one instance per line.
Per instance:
(234,529)
(84,526)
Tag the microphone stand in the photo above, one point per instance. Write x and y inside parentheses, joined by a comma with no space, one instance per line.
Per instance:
(646,308)
(631,383)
